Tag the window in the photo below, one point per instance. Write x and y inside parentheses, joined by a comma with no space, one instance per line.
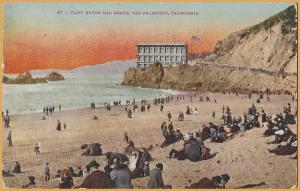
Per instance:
(178,50)
(172,58)
(162,58)
(156,58)
(183,50)
(177,58)
(172,50)
(141,58)
(146,59)
(147,49)
(162,49)
(141,49)
(168,50)
(156,50)
(183,58)
(167,58)
(151,59)
(151,49)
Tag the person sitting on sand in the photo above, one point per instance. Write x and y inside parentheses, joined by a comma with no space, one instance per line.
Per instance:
(80,172)
(156,180)
(214,182)
(31,182)
(288,149)
(121,175)
(17,168)
(66,180)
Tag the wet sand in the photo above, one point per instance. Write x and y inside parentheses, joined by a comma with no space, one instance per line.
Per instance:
(245,157)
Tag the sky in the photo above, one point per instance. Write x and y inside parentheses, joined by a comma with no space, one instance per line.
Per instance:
(41,36)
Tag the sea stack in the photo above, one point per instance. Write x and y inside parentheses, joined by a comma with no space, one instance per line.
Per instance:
(54,76)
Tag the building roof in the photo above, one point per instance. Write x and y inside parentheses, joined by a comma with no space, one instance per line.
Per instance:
(161,43)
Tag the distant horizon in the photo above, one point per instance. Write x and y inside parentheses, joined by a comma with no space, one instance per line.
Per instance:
(64,36)
(57,69)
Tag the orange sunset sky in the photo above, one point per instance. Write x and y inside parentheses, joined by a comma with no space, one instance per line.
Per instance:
(39,36)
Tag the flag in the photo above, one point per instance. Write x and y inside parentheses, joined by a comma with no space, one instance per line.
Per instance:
(194,37)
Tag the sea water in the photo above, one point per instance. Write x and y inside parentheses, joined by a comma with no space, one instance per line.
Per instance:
(78,90)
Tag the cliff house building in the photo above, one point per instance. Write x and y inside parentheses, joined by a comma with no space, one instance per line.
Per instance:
(166,53)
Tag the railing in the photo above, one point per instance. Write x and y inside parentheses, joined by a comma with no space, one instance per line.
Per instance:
(242,68)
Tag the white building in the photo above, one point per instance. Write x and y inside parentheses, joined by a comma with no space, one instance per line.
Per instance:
(165,53)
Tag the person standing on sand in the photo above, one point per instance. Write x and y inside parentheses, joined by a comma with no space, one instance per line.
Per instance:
(9,139)
(65,126)
(213,114)
(58,127)
(148,107)
(47,172)
(169,115)
(59,107)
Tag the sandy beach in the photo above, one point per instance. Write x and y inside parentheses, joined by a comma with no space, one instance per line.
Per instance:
(245,157)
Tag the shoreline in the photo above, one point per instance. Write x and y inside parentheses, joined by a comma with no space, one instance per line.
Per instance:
(244,153)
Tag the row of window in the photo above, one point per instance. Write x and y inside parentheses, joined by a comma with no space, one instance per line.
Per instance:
(162,49)
(161,58)
(166,64)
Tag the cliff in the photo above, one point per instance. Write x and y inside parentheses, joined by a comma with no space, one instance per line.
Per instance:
(54,76)
(257,53)
(28,79)
(203,78)
(270,45)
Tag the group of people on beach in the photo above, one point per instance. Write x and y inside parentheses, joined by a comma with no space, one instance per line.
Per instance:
(6,119)
(117,172)
(50,109)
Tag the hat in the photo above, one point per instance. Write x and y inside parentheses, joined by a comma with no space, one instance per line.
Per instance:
(114,163)
(294,144)
(280,132)
(225,177)
(160,166)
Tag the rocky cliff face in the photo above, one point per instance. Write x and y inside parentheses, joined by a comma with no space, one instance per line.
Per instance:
(270,45)
(150,77)
(202,78)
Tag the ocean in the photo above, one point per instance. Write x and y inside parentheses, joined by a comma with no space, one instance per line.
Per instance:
(81,87)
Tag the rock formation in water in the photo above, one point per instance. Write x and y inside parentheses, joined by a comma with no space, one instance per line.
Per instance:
(269,46)
(54,76)
(24,79)
(28,79)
